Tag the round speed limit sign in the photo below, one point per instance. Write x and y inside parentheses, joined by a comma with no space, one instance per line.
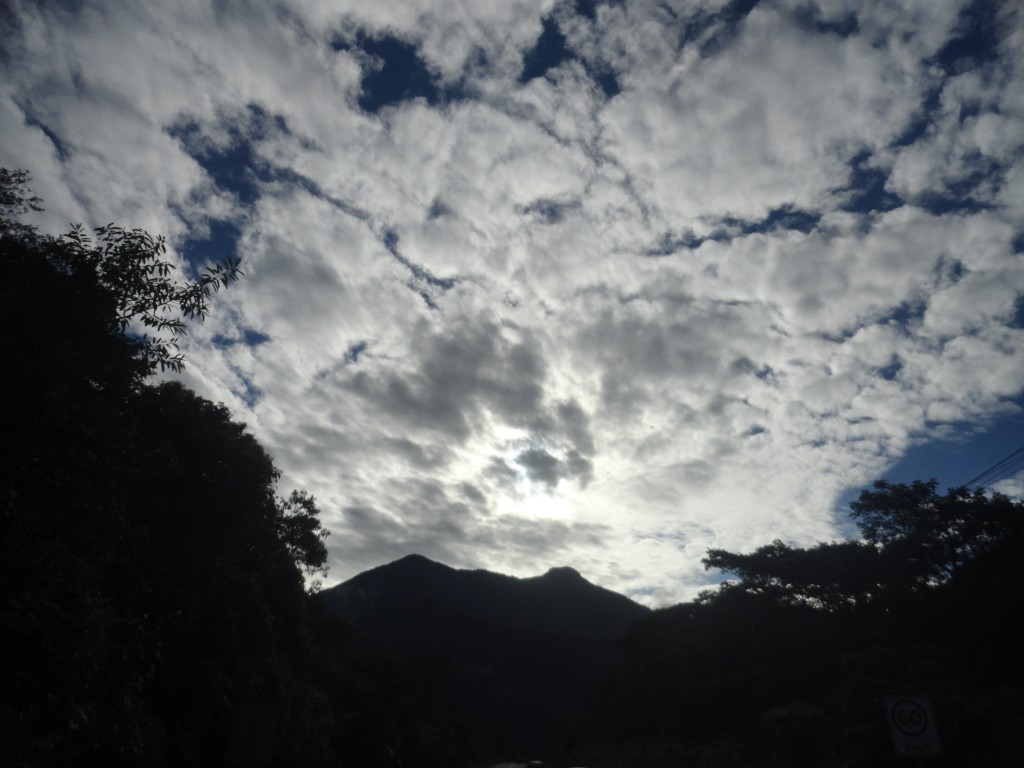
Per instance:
(912,726)
(909,717)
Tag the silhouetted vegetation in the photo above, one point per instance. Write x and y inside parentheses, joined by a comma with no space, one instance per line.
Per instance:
(153,580)
(519,656)
(154,609)
(787,663)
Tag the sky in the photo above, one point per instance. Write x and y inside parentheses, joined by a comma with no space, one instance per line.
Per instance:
(590,284)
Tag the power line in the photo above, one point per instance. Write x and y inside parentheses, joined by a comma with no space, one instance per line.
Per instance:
(1009,466)
(1003,468)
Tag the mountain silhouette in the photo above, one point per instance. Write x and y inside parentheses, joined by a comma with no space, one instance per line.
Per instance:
(519,655)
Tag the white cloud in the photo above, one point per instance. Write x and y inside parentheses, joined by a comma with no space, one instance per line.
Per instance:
(534,325)
(771,122)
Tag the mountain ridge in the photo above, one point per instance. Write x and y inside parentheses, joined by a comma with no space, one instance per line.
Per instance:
(560,598)
(522,654)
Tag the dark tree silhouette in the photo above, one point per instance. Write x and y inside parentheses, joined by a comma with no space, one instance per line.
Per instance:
(933,534)
(833,576)
(155,589)
(16,199)
(786,663)
(152,578)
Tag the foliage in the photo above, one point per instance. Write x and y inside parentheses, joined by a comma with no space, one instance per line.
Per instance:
(935,534)
(830,576)
(786,663)
(298,527)
(130,264)
(914,538)
(16,199)
(152,576)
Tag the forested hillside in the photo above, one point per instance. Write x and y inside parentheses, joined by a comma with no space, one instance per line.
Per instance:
(153,578)
(789,661)
(520,656)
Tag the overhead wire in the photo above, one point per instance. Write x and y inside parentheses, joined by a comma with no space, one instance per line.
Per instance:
(1003,468)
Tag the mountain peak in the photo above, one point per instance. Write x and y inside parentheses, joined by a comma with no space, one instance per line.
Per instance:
(415,563)
(564,573)
(541,642)
(415,570)
(415,559)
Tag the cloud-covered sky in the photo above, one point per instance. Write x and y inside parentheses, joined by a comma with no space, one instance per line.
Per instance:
(536,283)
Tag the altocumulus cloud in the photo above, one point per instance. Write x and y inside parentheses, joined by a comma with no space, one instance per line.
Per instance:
(537,283)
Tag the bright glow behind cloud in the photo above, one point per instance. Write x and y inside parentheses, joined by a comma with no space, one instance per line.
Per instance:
(710,268)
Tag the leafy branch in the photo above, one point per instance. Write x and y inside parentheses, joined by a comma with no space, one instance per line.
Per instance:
(130,264)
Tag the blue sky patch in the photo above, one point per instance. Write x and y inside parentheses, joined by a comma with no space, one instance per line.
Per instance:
(62,150)
(587,9)
(670,243)
(866,190)
(607,81)
(236,167)
(249,393)
(809,19)
(728,22)
(891,371)
(253,338)
(550,211)
(230,168)
(968,452)
(785,217)
(549,51)
(390,241)
(249,337)
(219,244)
(400,73)
(977,40)
(907,313)
(353,353)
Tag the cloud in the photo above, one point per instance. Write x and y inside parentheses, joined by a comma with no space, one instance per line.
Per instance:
(542,283)
(543,468)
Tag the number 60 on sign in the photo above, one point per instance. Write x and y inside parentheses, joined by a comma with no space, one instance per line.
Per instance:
(912,726)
